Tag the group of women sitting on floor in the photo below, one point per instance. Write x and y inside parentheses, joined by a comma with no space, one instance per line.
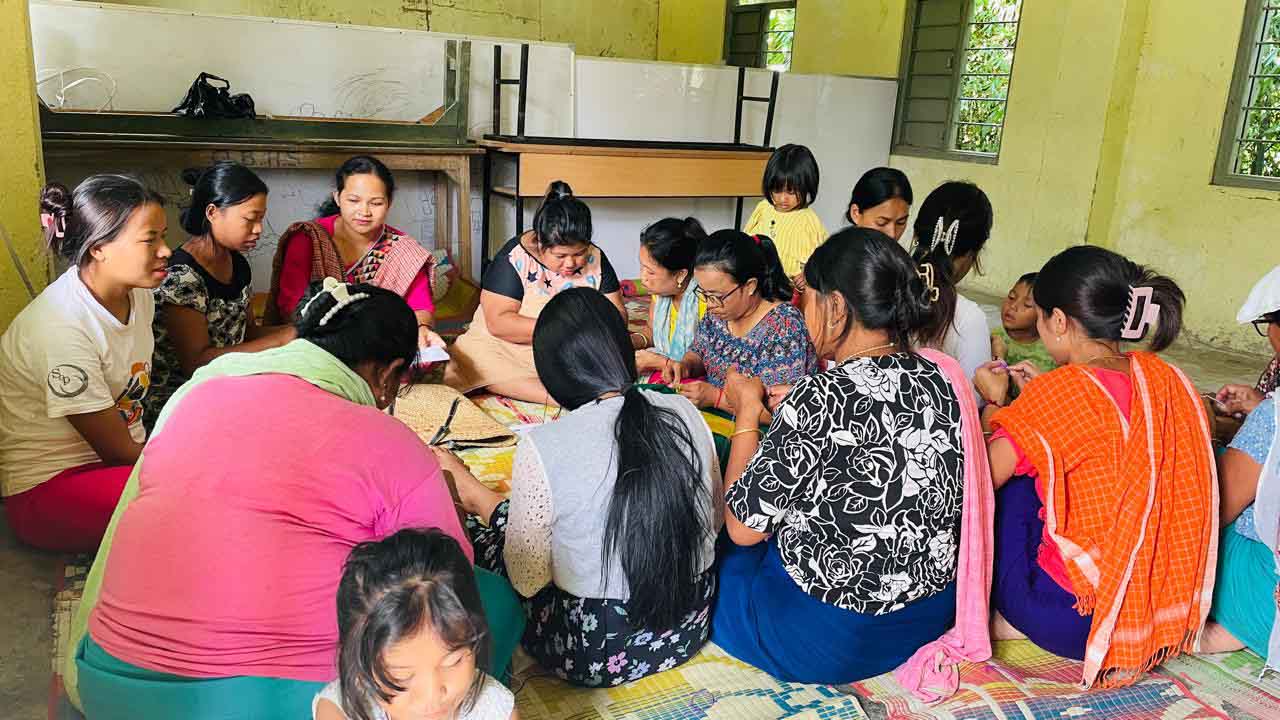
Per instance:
(882,498)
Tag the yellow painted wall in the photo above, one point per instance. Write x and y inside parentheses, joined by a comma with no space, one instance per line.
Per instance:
(1042,189)
(1216,241)
(849,37)
(616,28)
(21,159)
(691,31)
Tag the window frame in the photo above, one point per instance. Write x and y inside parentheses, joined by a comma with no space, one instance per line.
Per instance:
(1235,115)
(948,151)
(761,51)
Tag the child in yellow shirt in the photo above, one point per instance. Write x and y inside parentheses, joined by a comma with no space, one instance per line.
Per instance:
(790,186)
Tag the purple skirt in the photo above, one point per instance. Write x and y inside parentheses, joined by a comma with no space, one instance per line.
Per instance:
(1022,591)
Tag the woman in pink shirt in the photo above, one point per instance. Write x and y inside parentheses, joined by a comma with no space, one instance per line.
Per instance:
(225,552)
(352,242)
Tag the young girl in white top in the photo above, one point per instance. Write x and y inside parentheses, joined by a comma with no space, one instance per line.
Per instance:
(415,642)
(951,229)
(76,363)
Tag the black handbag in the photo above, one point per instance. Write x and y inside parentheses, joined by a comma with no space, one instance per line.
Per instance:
(205,99)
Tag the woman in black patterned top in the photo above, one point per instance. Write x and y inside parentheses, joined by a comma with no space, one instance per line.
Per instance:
(204,306)
(845,516)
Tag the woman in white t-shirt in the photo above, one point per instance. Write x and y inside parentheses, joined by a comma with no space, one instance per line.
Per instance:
(76,363)
(951,229)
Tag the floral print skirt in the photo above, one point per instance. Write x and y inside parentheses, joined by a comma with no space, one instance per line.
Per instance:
(590,641)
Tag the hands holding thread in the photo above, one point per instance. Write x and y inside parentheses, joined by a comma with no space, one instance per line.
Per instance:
(993,379)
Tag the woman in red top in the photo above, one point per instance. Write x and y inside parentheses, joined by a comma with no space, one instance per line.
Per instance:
(352,243)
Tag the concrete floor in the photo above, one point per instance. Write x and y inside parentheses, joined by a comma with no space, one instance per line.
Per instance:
(27,576)
(26,600)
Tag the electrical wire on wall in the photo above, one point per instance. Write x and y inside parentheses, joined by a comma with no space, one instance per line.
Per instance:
(90,75)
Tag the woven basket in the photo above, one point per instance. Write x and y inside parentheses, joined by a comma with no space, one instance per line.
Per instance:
(425,407)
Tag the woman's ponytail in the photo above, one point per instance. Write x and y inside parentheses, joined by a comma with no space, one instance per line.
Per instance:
(774,283)
(747,257)
(1165,293)
(55,210)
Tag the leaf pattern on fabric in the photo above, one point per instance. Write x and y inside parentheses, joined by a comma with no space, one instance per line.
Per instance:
(861,477)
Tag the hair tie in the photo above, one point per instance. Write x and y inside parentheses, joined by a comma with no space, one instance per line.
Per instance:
(756,238)
(946,239)
(340,291)
(49,220)
(1141,314)
(925,272)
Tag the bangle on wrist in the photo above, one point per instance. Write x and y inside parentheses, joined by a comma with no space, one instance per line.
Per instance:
(744,431)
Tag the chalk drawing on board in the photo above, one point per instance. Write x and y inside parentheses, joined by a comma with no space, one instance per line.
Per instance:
(373,94)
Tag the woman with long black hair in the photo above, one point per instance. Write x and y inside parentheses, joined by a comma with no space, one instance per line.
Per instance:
(592,495)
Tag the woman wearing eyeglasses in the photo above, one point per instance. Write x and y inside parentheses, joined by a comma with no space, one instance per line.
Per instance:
(750,325)
(1262,310)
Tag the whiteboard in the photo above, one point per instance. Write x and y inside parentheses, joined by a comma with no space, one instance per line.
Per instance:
(847,122)
(289,67)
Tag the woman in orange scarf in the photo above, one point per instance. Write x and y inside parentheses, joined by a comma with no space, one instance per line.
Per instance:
(1106,535)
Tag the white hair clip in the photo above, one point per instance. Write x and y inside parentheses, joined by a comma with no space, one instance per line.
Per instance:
(340,292)
(946,239)
(1141,314)
(49,220)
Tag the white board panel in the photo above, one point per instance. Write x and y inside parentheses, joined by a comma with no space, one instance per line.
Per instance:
(290,67)
(847,122)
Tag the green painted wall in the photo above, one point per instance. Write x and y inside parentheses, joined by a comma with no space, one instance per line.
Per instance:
(21,158)
(691,31)
(849,37)
(617,28)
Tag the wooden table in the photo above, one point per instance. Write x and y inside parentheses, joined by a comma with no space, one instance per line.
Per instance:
(620,169)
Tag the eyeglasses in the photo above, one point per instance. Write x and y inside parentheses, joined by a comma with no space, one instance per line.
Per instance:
(1264,323)
(714,299)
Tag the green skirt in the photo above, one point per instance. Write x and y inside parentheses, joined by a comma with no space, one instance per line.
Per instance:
(1244,595)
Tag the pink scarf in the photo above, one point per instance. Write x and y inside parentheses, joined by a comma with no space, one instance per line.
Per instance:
(931,674)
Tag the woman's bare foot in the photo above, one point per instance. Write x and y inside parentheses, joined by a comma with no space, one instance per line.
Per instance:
(1002,630)
(1217,639)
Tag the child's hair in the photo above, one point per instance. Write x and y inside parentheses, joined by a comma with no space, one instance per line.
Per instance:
(1093,286)
(94,215)
(222,185)
(882,288)
(562,219)
(744,257)
(582,350)
(391,590)
(791,168)
(358,165)
(674,242)
(376,325)
(879,185)
(954,221)
(1028,279)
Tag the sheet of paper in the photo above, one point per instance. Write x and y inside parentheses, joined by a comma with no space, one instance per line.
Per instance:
(432,354)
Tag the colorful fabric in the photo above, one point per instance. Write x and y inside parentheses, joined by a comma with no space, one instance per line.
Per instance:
(113,689)
(1242,597)
(1024,593)
(514,273)
(931,673)
(591,641)
(1128,500)
(777,350)
(796,234)
(763,618)
(306,362)
(1266,517)
(66,354)
(673,327)
(307,253)
(1016,352)
(1270,378)
(69,511)
(860,480)
(226,308)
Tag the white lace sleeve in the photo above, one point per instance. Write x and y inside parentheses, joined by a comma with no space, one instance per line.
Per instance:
(528,542)
(495,702)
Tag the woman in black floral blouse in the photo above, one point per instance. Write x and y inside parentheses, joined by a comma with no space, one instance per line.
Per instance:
(844,518)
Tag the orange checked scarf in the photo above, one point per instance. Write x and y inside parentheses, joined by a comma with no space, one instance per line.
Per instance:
(1130,503)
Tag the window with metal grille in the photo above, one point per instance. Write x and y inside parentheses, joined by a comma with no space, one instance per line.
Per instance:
(760,33)
(1249,151)
(956,71)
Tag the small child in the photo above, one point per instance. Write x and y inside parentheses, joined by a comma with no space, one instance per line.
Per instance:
(415,642)
(790,186)
(1018,339)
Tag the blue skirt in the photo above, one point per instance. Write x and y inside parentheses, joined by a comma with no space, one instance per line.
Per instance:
(764,619)
(1021,590)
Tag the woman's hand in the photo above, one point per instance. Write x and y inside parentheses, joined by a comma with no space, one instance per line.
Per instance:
(776,394)
(428,338)
(649,361)
(673,373)
(1024,372)
(999,350)
(473,496)
(1238,400)
(701,394)
(745,394)
(992,383)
